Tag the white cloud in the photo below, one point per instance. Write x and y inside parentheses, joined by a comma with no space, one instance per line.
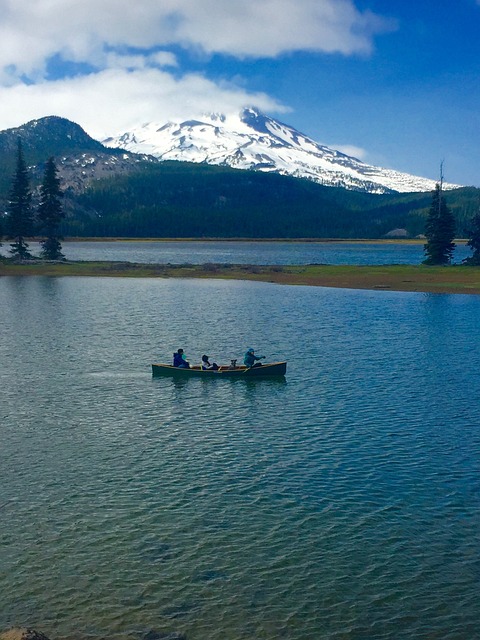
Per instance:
(137,61)
(163,59)
(350,150)
(32,32)
(111,101)
(270,27)
(125,42)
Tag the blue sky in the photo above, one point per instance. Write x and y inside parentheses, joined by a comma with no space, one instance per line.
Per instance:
(395,83)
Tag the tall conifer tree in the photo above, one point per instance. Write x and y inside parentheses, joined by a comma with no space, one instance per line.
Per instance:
(474,240)
(50,212)
(19,221)
(439,231)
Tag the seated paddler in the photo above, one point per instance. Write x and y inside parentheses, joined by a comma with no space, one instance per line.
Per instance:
(179,360)
(250,359)
(206,364)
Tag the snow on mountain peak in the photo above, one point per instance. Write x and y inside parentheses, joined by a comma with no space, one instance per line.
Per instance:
(255,141)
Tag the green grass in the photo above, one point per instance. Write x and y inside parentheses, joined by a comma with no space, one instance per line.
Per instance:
(452,279)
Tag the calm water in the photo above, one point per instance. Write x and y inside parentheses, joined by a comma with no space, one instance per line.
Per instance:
(199,252)
(342,503)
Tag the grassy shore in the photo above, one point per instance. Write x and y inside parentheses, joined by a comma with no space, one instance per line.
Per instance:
(452,279)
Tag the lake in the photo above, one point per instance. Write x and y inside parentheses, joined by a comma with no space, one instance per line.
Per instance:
(233,252)
(339,503)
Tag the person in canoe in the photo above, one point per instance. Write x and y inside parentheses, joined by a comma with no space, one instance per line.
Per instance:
(250,359)
(206,364)
(180,361)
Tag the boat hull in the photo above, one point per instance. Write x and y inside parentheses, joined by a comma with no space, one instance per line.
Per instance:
(263,371)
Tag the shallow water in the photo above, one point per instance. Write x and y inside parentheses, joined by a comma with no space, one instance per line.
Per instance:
(341,502)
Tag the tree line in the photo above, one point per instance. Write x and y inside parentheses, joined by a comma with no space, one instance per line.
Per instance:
(440,232)
(23,221)
(167,200)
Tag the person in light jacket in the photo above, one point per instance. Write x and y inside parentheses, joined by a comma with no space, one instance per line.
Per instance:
(206,364)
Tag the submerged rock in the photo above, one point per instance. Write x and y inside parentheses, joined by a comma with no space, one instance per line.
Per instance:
(20,633)
(31,634)
(164,635)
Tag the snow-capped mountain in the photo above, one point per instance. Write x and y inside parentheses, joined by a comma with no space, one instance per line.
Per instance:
(252,140)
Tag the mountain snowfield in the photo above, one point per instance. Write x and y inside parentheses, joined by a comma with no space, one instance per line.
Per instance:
(252,140)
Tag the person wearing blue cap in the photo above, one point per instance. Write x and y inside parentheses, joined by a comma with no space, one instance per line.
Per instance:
(250,358)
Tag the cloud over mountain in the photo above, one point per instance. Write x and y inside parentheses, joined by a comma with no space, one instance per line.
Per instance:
(107,63)
(115,99)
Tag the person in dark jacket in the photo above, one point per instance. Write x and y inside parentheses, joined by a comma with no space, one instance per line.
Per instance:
(250,359)
(179,360)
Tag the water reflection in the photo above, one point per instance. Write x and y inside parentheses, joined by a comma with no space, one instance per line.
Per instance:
(184,382)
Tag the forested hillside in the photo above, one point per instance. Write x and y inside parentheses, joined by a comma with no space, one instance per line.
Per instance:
(191,200)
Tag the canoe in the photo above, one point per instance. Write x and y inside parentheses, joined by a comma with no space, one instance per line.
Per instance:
(224,371)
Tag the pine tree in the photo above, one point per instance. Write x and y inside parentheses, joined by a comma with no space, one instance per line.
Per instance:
(474,240)
(439,231)
(50,212)
(19,221)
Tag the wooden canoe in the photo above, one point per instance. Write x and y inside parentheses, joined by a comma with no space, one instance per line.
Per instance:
(224,371)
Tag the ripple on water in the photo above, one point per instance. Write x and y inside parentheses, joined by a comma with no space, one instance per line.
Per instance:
(341,503)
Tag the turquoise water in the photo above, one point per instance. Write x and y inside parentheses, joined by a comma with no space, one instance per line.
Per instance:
(341,503)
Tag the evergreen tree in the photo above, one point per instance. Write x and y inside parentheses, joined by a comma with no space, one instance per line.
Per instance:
(474,240)
(439,231)
(19,221)
(50,212)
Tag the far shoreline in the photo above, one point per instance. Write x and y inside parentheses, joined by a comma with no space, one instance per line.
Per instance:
(407,241)
(408,278)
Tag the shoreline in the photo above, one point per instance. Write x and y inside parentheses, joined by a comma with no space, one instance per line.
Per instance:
(410,278)
(407,241)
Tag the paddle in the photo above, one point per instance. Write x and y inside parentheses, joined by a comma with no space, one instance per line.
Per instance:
(253,365)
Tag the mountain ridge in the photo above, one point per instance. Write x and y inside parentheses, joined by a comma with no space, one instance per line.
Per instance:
(79,157)
(254,141)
